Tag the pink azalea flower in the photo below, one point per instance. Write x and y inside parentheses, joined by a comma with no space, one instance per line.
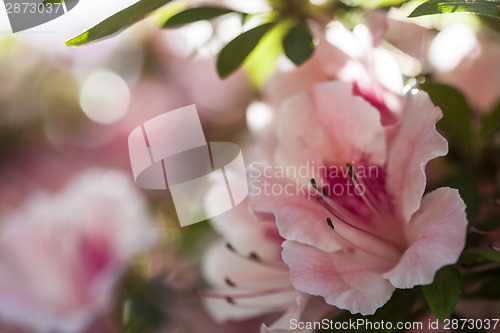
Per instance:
(247,275)
(349,56)
(380,233)
(61,254)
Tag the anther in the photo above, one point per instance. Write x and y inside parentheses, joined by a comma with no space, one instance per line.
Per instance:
(330,223)
(313,183)
(230,247)
(494,247)
(254,256)
(229,282)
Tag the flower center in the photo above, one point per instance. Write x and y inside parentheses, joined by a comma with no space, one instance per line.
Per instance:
(359,232)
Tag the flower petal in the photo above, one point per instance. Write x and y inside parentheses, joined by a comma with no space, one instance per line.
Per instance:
(416,143)
(437,236)
(298,217)
(329,124)
(342,280)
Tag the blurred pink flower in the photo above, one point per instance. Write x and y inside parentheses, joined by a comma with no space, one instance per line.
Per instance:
(381,236)
(247,274)
(61,254)
(347,56)
(469,62)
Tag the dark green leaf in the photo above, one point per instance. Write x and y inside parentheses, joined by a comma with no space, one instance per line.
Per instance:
(236,51)
(469,191)
(444,293)
(117,22)
(298,43)
(196,14)
(397,309)
(46,2)
(456,122)
(492,122)
(475,254)
(482,7)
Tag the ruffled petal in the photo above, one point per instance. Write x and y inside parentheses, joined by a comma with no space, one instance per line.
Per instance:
(416,143)
(437,236)
(344,281)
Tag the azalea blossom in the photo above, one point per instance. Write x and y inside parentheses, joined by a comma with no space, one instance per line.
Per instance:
(247,275)
(354,248)
(61,254)
(351,56)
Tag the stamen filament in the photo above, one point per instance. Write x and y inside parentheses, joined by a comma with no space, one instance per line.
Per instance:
(330,224)
(488,233)
(247,295)
(255,258)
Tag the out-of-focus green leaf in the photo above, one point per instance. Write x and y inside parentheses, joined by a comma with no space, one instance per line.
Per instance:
(117,22)
(487,280)
(261,63)
(46,2)
(492,122)
(231,57)
(397,309)
(444,293)
(191,15)
(372,4)
(469,191)
(456,122)
(298,43)
(482,7)
(488,255)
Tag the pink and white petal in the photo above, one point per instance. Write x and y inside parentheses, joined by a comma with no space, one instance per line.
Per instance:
(329,124)
(293,312)
(416,143)
(221,264)
(298,217)
(341,279)
(437,236)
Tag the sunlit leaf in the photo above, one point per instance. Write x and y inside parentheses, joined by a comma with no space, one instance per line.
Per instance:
(118,22)
(191,15)
(444,293)
(236,51)
(482,7)
(298,43)
(261,63)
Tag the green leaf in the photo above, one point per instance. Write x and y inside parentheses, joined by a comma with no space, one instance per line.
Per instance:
(261,63)
(444,293)
(118,22)
(191,15)
(456,122)
(231,57)
(372,4)
(46,2)
(469,191)
(481,7)
(298,43)
(475,254)
(492,122)
(397,309)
